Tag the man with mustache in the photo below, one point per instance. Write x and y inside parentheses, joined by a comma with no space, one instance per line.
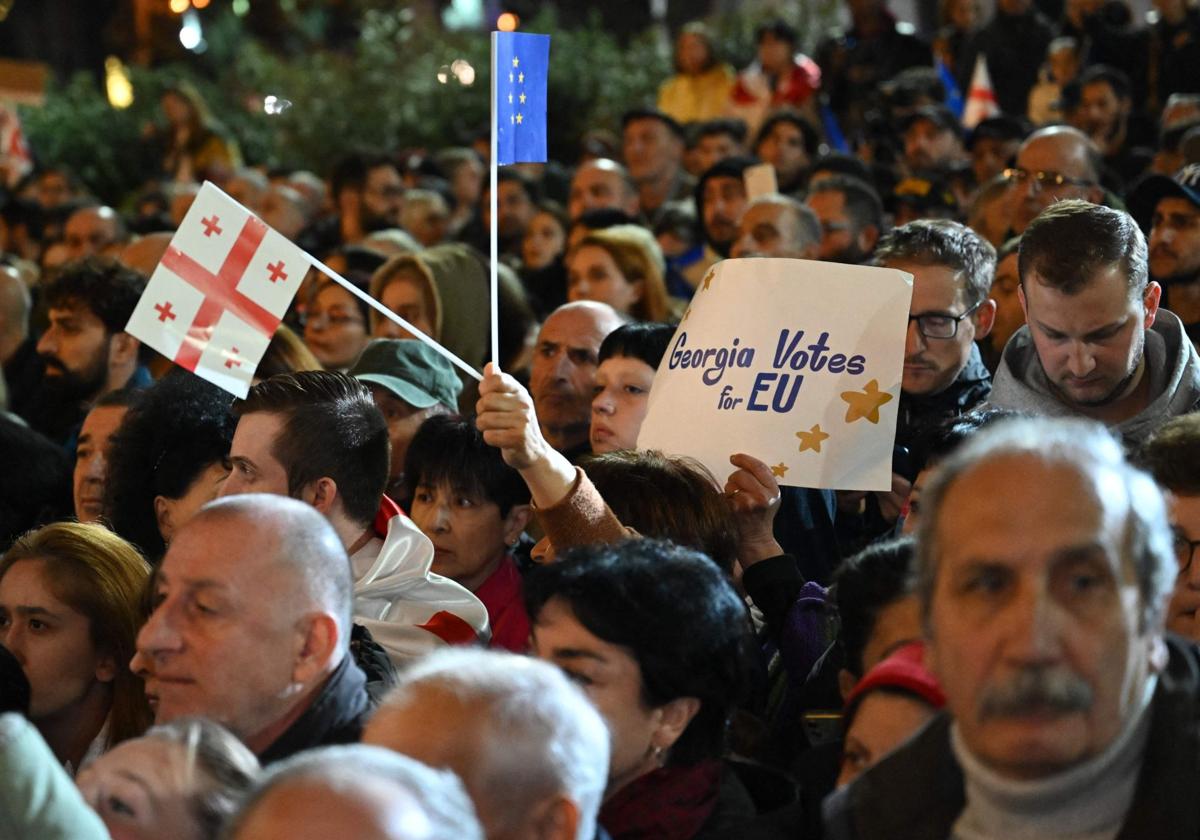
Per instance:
(1168,210)
(1096,341)
(86,351)
(1043,567)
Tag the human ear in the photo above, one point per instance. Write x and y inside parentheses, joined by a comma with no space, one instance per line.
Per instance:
(123,349)
(1150,300)
(106,669)
(985,317)
(674,717)
(324,492)
(556,818)
(516,522)
(318,639)
(162,516)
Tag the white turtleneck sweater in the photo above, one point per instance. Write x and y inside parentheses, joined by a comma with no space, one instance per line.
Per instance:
(1088,802)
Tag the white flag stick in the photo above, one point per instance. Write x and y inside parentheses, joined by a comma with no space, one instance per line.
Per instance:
(495,237)
(383,310)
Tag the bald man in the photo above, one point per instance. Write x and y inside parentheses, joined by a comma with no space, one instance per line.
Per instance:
(90,230)
(251,628)
(602,184)
(1052,164)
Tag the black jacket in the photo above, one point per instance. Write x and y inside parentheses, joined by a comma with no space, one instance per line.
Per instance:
(916,793)
(920,413)
(336,715)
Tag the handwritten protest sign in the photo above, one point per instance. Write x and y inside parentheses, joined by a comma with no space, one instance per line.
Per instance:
(795,362)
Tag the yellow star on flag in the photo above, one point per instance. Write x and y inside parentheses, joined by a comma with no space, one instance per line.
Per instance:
(779,470)
(522,99)
(510,98)
(810,439)
(510,78)
(520,118)
(865,403)
(516,62)
(521,78)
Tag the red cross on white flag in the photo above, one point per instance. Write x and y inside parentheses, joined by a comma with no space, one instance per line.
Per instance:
(220,291)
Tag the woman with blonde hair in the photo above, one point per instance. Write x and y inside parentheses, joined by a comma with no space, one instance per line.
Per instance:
(622,266)
(405,285)
(70,609)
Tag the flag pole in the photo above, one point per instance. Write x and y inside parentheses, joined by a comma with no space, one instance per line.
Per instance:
(383,310)
(495,240)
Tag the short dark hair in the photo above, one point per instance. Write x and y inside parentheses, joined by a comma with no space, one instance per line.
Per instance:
(935,443)
(671,497)
(1111,76)
(643,340)
(352,171)
(728,126)
(1071,240)
(177,429)
(812,140)
(1172,455)
(332,428)
(945,243)
(677,615)
(776,28)
(449,450)
(863,585)
(863,204)
(671,123)
(513,176)
(105,287)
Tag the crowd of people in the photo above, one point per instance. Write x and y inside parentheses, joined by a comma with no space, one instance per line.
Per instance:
(378,598)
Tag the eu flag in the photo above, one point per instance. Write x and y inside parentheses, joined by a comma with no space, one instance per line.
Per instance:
(522,63)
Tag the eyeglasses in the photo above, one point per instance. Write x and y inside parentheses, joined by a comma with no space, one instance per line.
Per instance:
(323,320)
(1043,180)
(940,325)
(1185,551)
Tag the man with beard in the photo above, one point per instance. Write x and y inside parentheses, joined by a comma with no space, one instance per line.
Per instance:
(85,348)
(563,374)
(1169,210)
(720,200)
(1043,565)
(851,216)
(1104,113)
(1096,342)
(368,194)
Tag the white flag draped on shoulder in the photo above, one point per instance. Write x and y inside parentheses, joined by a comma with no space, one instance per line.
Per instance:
(222,288)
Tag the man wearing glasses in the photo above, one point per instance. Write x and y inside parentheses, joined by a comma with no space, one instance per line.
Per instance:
(944,375)
(1052,164)
(1172,456)
(1096,342)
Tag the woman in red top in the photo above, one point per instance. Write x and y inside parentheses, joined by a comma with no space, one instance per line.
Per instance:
(473,507)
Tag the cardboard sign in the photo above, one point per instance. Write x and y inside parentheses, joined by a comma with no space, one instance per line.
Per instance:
(797,363)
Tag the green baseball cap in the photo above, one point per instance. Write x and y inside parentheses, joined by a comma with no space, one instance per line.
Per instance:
(411,370)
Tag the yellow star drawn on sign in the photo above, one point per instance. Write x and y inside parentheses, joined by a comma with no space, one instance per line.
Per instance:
(520,119)
(516,62)
(810,440)
(865,403)
(708,278)
(686,313)
(522,99)
(779,470)
(521,78)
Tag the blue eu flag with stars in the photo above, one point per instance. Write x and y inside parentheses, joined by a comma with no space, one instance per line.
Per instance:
(522,65)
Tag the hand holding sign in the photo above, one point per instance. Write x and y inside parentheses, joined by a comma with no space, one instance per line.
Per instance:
(797,361)
(754,495)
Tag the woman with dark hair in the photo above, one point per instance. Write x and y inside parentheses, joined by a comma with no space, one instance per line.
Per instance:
(659,640)
(167,460)
(789,142)
(473,507)
(70,608)
(543,272)
(181,780)
(629,357)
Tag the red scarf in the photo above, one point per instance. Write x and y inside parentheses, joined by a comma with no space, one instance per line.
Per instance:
(671,803)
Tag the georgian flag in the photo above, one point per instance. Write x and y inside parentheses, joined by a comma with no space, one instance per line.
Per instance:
(222,288)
